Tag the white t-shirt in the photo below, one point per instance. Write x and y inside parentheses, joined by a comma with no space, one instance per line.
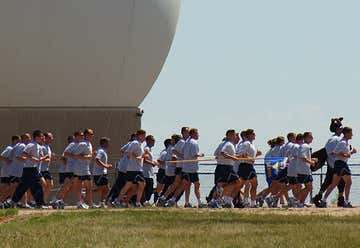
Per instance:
(228,148)
(303,168)
(342,147)
(249,148)
(330,147)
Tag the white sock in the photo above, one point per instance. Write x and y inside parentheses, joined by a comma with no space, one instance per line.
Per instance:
(199,201)
(324,198)
(252,203)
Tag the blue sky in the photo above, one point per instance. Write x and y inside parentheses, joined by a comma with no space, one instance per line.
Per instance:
(275,66)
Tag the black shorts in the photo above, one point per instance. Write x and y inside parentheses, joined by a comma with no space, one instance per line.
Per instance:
(304,179)
(46,175)
(282,176)
(178,171)
(5,180)
(190,177)
(15,179)
(65,175)
(225,174)
(83,178)
(292,180)
(135,177)
(341,168)
(160,177)
(246,171)
(169,180)
(101,180)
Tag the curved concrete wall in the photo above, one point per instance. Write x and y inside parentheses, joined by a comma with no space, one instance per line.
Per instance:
(93,53)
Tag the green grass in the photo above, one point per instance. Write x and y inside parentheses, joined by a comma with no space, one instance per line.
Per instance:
(179,228)
(7,213)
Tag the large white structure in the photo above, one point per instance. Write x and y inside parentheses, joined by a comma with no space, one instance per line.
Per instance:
(70,64)
(93,53)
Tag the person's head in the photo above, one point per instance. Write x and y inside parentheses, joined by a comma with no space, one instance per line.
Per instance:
(150,141)
(185,132)
(308,137)
(141,135)
(250,134)
(167,143)
(348,133)
(237,139)
(194,133)
(299,138)
(38,136)
(78,136)
(49,137)
(243,135)
(88,134)
(336,125)
(175,139)
(105,142)
(231,135)
(280,141)
(70,139)
(271,143)
(26,138)
(291,137)
(15,139)
(132,137)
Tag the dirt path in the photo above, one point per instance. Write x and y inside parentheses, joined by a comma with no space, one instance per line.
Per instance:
(332,211)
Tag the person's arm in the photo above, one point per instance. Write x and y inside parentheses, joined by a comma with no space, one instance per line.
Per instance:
(5,160)
(228,156)
(102,164)
(25,156)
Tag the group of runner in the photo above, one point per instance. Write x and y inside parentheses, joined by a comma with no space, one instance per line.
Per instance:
(26,180)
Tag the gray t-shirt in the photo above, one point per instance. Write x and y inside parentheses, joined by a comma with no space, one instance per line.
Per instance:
(303,168)
(179,147)
(62,165)
(82,167)
(162,158)
(228,148)
(293,160)
(124,160)
(277,151)
(103,157)
(217,152)
(6,168)
(342,146)
(191,149)
(16,165)
(70,162)
(33,149)
(46,150)
(249,148)
(148,169)
(170,167)
(330,147)
(136,149)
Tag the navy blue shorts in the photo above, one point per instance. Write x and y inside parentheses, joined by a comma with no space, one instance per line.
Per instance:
(304,179)
(169,180)
(292,180)
(160,177)
(190,177)
(101,180)
(83,178)
(135,177)
(282,176)
(5,180)
(46,175)
(246,171)
(178,171)
(225,174)
(15,179)
(341,168)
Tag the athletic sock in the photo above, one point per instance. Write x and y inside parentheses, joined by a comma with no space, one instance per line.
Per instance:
(199,201)
(324,198)
(252,203)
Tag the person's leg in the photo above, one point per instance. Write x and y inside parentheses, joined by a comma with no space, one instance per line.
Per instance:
(89,191)
(5,191)
(173,187)
(348,181)
(197,192)
(253,188)
(327,181)
(140,191)
(187,187)
(335,182)
(124,191)
(78,189)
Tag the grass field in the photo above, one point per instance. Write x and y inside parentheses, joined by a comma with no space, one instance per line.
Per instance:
(180,228)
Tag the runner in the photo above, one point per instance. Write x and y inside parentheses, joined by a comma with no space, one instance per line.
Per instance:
(190,169)
(149,164)
(47,180)
(5,158)
(100,170)
(342,152)
(134,174)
